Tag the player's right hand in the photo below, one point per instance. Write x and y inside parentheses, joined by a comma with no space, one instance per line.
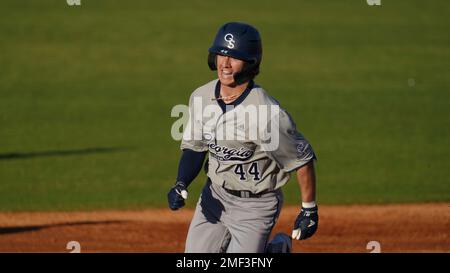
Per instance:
(177,195)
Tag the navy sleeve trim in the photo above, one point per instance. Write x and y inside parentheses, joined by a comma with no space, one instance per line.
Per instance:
(190,165)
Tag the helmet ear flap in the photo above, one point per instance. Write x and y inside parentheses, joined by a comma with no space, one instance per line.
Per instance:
(249,72)
(212,61)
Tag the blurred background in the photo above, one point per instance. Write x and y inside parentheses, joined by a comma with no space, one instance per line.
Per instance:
(86,94)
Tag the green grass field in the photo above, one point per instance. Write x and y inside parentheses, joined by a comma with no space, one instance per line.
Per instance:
(86,94)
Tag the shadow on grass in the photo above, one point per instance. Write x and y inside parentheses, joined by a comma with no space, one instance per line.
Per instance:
(74,152)
(22,229)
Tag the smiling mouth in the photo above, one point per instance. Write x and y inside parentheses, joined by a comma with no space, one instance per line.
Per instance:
(227,74)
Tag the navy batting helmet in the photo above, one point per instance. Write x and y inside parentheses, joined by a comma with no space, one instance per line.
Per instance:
(240,41)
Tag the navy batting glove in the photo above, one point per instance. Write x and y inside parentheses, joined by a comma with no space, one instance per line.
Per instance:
(177,195)
(306,223)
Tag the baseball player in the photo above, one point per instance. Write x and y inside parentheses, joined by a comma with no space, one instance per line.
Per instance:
(242,198)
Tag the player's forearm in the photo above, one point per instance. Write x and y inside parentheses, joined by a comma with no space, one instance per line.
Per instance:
(306,178)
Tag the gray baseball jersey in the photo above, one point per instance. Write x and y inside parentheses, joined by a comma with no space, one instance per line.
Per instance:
(252,146)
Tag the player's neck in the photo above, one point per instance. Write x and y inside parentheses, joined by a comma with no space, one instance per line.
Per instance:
(231,93)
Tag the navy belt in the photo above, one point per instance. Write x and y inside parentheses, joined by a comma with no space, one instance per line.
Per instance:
(245,194)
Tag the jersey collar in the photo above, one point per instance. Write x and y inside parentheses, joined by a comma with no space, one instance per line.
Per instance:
(235,102)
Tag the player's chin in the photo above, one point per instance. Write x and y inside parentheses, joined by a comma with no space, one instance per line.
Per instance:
(227,81)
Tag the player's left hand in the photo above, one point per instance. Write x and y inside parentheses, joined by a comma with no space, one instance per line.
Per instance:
(177,195)
(306,223)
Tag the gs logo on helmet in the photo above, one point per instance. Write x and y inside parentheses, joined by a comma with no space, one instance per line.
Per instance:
(230,40)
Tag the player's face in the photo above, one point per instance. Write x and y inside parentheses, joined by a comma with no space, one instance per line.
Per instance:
(227,67)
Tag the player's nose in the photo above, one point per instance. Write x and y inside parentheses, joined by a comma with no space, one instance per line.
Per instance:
(226,61)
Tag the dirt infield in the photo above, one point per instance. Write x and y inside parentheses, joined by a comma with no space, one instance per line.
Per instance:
(398,228)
